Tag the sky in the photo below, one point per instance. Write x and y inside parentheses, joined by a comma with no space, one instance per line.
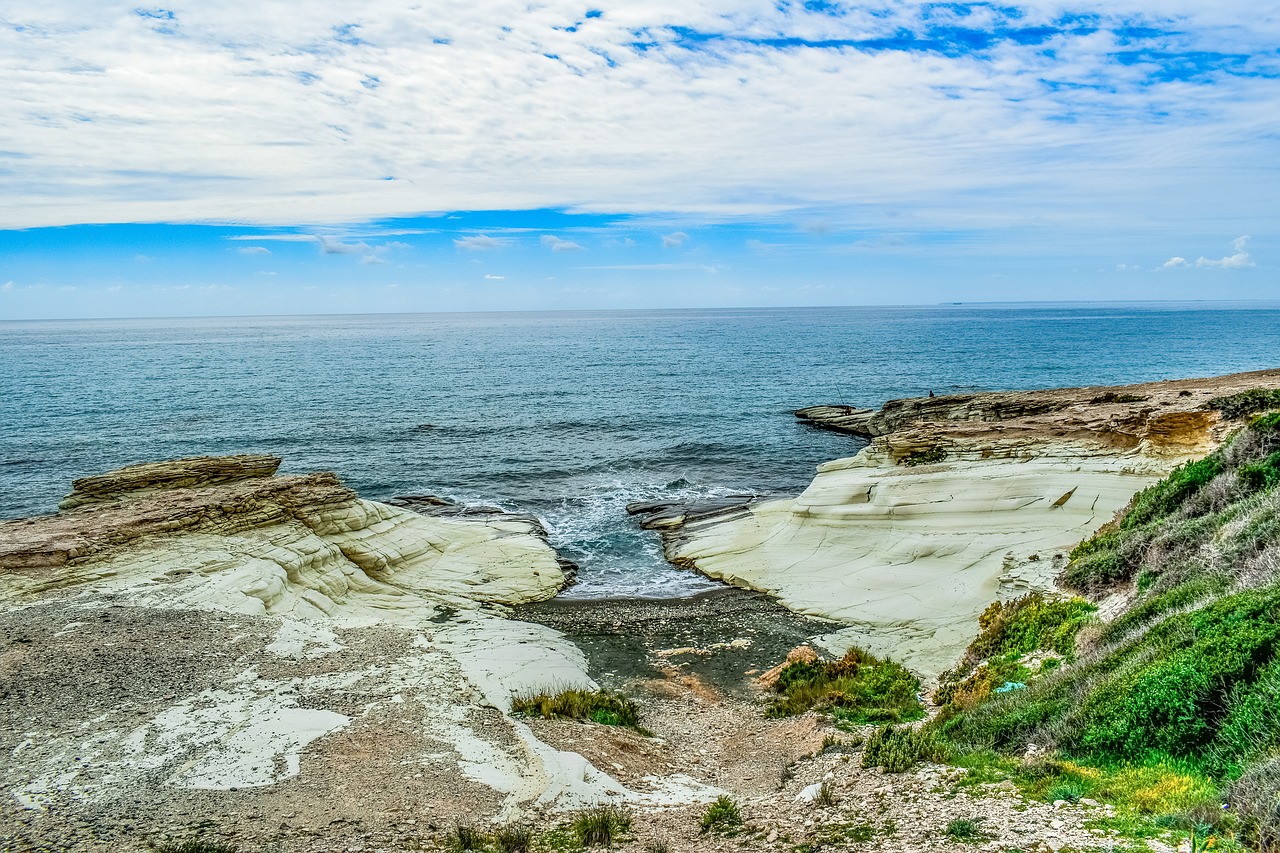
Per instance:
(268,157)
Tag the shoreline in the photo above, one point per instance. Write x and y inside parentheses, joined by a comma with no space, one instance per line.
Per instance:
(957,501)
(193,644)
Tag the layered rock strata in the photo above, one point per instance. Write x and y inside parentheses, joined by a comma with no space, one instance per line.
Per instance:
(957,500)
(183,633)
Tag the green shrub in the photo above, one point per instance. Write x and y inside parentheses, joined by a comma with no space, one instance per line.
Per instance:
(1257,476)
(1246,402)
(858,689)
(1250,728)
(722,816)
(1113,397)
(897,749)
(1070,790)
(1170,702)
(601,825)
(928,456)
(599,706)
(1266,423)
(826,796)
(1028,624)
(514,839)
(966,830)
(463,838)
(1158,501)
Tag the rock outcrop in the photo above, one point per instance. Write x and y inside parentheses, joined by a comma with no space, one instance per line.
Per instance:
(957,501)
(184,633)
(151,477)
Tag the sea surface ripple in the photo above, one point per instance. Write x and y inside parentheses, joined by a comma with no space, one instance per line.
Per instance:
(568,415)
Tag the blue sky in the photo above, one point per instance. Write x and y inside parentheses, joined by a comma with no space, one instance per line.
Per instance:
(242,158)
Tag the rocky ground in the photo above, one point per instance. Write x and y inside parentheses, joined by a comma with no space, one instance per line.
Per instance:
(78,674)
(201,649)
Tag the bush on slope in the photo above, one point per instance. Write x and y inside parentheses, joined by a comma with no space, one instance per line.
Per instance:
(1188,677)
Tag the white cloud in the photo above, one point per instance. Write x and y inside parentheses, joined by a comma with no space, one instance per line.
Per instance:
(334,246)
(1239,261)
(254,250)
(494,277)
(555,244)
(1174,263)
(1127,267)
(132,116)
(674,240)
(480,243)
(6,287)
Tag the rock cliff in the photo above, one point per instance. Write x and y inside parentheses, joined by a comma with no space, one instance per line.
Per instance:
(183,634)
(957,501)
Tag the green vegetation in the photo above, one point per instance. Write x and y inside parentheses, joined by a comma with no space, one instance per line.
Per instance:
(858,689)
(831,743)
(966,830)
(722,816)
(463,838)
(601,825)
(1246,402)
(1113,397)
(1017,640)
(898,749)
(826,796)
(1171,708)
(927,456)
(514,839)
(597,706)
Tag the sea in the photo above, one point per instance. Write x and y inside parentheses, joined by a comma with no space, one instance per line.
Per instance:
(566,415)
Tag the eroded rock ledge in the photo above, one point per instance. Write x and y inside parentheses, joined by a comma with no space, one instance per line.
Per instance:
(958,500)
(202,640)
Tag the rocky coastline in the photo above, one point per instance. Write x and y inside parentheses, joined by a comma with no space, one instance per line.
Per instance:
(203,648)
(957,501)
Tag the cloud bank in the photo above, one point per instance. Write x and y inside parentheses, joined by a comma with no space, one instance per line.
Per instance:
(938,115)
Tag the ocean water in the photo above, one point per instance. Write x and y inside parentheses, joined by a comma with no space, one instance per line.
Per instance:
(567,415)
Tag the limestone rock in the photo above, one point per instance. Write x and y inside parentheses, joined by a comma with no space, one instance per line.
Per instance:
(275,544)
(221,629)
(908,541)
(194,472)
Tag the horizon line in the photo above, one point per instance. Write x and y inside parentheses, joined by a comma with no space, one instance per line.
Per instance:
(1242,303)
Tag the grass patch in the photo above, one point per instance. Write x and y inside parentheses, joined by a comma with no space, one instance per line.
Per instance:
(897,749)
(464,837)
(858,689)
(831,744)
(514,839)
(722,816)
(598,706)
(601,826)
(967,830)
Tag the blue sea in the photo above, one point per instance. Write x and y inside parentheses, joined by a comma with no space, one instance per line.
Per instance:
(567,415)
